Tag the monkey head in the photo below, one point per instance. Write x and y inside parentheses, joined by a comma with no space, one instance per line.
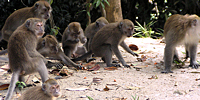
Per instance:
(51,88)
(127,27)
(100,22)
(42,9)
(194,23)
(48,46)
(76,32)
(35,25)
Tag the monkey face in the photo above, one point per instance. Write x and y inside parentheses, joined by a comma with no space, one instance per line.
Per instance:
(43,9)
(55,90)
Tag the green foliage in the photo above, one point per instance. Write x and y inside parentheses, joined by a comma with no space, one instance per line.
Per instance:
(135,97)
(20,85)
(54,30)
(144,31)
(90,98)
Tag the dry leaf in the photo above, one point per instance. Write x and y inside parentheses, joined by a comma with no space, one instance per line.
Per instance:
(5,67)
(94,68)
(143,58)
(111,68)
(89,64)
(133,88)
(133,47)
(97,80)
(4,86)
(106,89)
(63,72)
(153,77)
(77,89)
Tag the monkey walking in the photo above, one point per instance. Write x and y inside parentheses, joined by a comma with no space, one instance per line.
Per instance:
(49,47)
(181,29)
(72,35)
(107,39)
(24,59)
(41,9)
(50,90)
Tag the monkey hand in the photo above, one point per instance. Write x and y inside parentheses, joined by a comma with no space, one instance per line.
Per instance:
(57,65)
(135,54)
(195,65)
(83,40)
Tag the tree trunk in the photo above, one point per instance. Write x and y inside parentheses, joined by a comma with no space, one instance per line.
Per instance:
(114,11)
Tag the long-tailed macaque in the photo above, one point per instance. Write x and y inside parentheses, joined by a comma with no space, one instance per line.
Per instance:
(181,29)
(49,47)
(49,90)
(107,39)
(72,35)
(41,9)
(92,29)
(23,57)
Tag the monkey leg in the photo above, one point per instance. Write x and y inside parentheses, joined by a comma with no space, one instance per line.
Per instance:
(168,57)
(14,79)
(176,58)
(67,51)
(41,68)
(105,52)
(192,53)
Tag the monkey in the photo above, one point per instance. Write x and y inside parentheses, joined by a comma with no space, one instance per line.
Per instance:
(72,35)
(23,57)
(92,28)
(181,29)
(41,9)
(49,90)
(49,47)
(107,39)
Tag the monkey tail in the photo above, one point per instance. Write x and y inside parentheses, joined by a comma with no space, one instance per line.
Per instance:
(84,56)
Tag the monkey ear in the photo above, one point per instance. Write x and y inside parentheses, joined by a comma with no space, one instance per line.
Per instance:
(120,25)
(194,22)
(28,23)
(97,24)
(43,87)
(36,5)
(43,42)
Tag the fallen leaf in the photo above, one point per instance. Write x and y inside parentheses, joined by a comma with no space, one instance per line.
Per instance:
(85,77)
(133,88)
(89,64)
(55,71)
(5,67)
(77,89)
(94,68)
(4,86)
(106,89)
(111,68)
(63,72)
(97,80)
(119,98)
(153,77)
(133,47)
(114,80)
(143,58)
(195,72)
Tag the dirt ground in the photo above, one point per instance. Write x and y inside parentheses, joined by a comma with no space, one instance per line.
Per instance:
(146,83)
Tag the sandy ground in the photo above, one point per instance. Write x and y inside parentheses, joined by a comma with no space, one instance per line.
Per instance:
(124,83)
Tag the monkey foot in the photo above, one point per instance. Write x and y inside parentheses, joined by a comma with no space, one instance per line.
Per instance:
(194,66)
(127,66)
(167,71)
(90,59)
(115,65)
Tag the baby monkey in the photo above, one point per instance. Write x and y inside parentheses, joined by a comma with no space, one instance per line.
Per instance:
(181,29)
(50,90)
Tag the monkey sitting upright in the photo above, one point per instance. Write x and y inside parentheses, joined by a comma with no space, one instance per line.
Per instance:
(41,9)
(181,29)
(50,90)
(72,35)
(49,47)
(107,39)
(92,29)
(23,57)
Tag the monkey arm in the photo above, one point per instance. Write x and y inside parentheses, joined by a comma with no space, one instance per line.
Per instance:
(123,44)
(116,51)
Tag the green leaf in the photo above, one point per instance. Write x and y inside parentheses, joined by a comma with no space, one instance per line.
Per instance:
(88,13)
(98,3)
(102,5)
(90,98)
(107,2)
(51,2)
